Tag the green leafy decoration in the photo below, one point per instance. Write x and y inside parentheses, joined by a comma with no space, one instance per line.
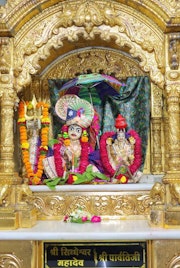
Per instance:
(52,142)
(122,169)
(52,183)
(78,220)
(89,175)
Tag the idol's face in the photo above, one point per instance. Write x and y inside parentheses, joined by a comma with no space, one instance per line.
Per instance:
(120,135)
(74,132)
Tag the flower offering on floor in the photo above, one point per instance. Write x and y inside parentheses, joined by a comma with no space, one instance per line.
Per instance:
(80,216)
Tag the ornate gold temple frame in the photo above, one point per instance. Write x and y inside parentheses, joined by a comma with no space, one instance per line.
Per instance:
(54,39)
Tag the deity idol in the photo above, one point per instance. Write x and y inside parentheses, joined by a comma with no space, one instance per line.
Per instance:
(70,155)
(121,153)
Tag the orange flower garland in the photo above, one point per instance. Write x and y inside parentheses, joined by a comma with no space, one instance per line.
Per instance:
(34,176)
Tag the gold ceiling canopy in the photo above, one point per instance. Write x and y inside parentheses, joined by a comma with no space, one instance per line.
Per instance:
(69,26)
(45,30)
(16,13)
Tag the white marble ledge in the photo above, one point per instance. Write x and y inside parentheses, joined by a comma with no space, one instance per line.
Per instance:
(145,184)
(116,230)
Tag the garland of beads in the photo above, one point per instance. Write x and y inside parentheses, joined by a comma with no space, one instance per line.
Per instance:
(34,176)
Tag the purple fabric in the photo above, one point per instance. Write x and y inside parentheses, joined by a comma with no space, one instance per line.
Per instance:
(94,159)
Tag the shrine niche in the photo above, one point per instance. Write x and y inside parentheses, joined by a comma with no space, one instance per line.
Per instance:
(69,39)
(128,203)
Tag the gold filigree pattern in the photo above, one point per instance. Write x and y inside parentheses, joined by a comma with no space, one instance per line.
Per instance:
(174,262)
(109,205)
(14,9)
(157,101)
(5,191)
(147,62)
(173,134)
(174,48)
(171,7)
(156,146)
(174,119)
(88,15)
(96,60)
(5,60)
(134,26)
(168,260)
(7,146)
(40,39)
(174,189)
(10,260)
(157,194)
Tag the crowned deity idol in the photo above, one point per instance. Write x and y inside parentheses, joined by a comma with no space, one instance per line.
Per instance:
(121,153)
(70,159)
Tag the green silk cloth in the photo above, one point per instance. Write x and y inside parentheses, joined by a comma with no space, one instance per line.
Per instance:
(133,103)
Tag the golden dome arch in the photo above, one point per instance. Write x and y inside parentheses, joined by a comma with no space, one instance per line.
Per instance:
(16,13)
(63,28)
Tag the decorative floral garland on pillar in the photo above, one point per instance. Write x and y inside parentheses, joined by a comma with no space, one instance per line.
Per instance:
(34,175)
(137,153)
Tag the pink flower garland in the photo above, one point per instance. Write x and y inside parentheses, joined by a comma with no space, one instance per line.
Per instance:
(137,152)
(104,154)
(83,159)
(58,160)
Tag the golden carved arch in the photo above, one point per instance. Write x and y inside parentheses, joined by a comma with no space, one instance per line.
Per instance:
(18,12)
(95,60)
(68,27)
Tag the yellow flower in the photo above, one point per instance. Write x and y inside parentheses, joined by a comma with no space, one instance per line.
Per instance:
(30,106)
(25,145)
(45,120)
(109,141)
(132,140)
(123,179)
(22,119)
(44,147)
(75,178)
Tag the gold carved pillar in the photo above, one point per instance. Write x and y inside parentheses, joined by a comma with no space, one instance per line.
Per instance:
(166,141)
(165,210)
(7,100)
(173,106)
(156,127)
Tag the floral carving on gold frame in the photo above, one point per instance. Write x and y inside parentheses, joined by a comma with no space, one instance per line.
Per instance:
(161,10)
(43,39)
(81,61)
(7,260)
(109,205)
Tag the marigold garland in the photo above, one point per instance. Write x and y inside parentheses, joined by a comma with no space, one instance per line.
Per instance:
(34,175)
